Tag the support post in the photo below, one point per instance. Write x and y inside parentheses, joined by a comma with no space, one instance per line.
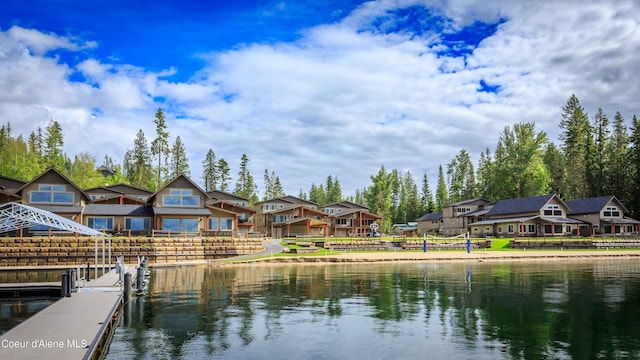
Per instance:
(127,287)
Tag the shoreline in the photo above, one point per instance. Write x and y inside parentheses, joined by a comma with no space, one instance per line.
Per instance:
(446,256)
(395,257)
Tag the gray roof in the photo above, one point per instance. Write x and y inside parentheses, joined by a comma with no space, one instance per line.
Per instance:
(430,216)
(589,205)
(59,208)
(181,211)
(620,221)
(118,210)
(520,205)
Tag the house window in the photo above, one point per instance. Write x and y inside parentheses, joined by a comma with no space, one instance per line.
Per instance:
(557,229)
(510,228)
(499,229)
(226,224)
(557,212)
(280,218)
(341,221)
(547,229)
(96,197)
(268,207)
(181,197)
(487,229)
(531,228)
(100,223)
(55,194)
(568,229)
(137,223)
(611,211)
(177,224)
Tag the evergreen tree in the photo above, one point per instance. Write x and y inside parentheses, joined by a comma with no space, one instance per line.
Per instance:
(53,142)
(442,198)
(633,204)
(245,186)
(223,172)
(620,169)
(139,170)
(278,190)
(412,199)
(333,192)
(427,203)
(160,147)
(179,163)
(210,174)
(317,194)
(575,137)
(597,155)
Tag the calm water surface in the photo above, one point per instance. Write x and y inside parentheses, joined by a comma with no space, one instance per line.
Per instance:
(543,310)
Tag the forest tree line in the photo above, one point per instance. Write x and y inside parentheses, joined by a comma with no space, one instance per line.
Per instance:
(594,157)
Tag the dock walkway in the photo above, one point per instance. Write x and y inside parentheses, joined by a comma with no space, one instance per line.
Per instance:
(72,327)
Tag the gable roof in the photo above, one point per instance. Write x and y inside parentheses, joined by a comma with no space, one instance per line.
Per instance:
(521,205)
(468,201)
(290,199)
(180,177)
(223,195)
(57,173)
(346,204)
(591,205)
(10,185)
(128,189)
(430,216)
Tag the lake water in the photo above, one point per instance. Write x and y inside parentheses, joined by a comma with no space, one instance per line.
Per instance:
(510,310)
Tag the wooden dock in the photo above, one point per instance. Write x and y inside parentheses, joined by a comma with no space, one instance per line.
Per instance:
(75,327)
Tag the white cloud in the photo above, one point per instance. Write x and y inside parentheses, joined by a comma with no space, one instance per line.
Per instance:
(342,100)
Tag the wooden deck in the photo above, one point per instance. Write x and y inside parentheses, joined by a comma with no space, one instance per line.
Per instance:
(73,327)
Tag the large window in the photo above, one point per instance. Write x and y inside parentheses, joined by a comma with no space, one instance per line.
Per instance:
(226,224)
(137,223)
(181,197)
(176,224)
(611,211)
(553,210)
(55,194)
(531,228)
(216,224)
(280,218)
(100,223)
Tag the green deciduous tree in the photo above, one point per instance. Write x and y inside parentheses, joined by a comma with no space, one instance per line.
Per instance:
(378,197)
(461,176)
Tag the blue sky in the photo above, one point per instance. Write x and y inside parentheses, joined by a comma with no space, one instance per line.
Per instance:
(313,88)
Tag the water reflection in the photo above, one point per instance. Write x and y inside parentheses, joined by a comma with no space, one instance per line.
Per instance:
(479,310)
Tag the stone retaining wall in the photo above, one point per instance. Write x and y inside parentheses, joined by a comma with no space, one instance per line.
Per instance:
(48,251)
